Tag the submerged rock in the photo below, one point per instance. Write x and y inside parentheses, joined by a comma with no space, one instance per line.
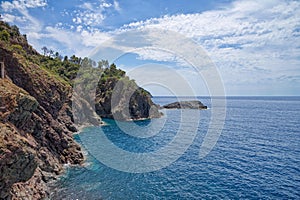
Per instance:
(185,105)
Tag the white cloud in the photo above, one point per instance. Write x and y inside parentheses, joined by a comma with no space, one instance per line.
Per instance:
(13,18)
(63,36)
(79,28)
(93,14)
(94,38)
(88,18)
(159,55)
(249,40)
(34,3)
(7,6)
(86,5)
(105,5)
(29,23)
(81,42)
(22,4)
(117,6)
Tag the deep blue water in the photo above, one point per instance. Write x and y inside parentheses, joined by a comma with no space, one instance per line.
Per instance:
(257,156)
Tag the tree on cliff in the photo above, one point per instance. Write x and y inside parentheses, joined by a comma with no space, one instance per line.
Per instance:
(45,50)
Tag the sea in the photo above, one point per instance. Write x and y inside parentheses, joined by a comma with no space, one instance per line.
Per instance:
(255,154)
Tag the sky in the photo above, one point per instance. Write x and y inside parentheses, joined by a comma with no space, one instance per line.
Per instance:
(244,47)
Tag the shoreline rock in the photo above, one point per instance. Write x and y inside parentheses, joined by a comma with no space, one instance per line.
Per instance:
(194,104)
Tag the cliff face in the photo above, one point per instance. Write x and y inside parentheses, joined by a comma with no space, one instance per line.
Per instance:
(33,140)
(122,99)
(36,125)
(36,116)
(17,154)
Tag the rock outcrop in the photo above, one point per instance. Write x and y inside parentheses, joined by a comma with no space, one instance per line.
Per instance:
(120,98)
(185,105)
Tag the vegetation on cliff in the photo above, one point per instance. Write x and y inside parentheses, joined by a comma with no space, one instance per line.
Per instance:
(36,116)
(120,98)
(35,119)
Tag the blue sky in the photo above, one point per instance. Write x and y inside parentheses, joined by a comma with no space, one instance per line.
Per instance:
(254,45)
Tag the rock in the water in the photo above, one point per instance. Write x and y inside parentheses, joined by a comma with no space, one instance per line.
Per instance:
(185,105)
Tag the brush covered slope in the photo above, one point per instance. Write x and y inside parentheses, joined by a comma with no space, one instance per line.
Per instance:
(36,121)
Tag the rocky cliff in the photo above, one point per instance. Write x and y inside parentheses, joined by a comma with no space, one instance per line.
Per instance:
(35,121)
(120,98)
(37,106)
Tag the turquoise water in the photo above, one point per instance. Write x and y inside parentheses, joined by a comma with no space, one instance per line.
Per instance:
(257,156)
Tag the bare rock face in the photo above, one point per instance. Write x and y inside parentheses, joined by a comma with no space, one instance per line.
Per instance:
(122,99)
(17,159)
(185,105)
(84,113)
(36,136)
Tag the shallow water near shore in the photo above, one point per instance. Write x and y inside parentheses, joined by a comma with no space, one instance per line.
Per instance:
(256,157)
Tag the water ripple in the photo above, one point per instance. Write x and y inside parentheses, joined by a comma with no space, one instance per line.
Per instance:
(256,157)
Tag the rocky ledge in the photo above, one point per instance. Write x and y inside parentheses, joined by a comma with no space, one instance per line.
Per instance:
(185,105)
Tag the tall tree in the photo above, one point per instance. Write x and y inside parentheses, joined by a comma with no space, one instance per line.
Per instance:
(45,50)
(51,52)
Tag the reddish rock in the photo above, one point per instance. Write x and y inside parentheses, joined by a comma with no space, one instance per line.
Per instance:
(36,136)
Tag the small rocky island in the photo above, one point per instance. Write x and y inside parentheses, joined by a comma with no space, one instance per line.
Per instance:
(194,104)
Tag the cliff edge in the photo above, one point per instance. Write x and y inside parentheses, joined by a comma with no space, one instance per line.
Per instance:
(35,121)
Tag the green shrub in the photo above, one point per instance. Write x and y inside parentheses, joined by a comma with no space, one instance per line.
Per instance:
(17,48)
(4,35)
